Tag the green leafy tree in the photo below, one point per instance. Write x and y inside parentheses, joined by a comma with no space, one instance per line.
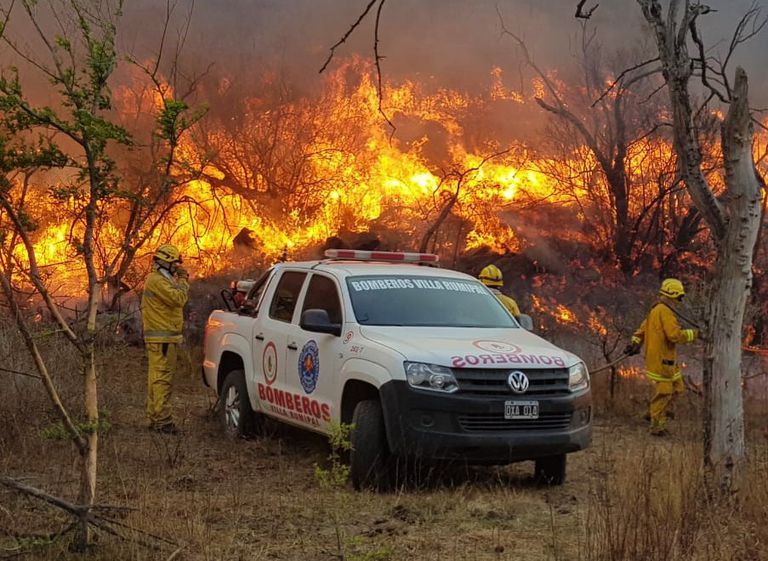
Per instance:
(77,133)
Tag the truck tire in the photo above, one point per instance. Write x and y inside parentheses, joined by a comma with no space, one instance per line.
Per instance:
(370,457)
(550,470)
(239,419)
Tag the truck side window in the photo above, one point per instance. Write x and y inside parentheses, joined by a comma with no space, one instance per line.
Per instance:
(323,295)
(253,298)
(286,296)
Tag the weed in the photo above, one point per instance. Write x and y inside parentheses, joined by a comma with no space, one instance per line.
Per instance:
(56,431)
(359,549)
(337,475)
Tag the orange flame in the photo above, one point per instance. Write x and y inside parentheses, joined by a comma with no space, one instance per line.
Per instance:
(377,181)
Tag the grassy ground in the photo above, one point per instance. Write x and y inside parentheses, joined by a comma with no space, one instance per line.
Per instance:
(628,497)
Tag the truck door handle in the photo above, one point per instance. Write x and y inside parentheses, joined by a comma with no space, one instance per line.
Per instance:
(292,346)
(260,337)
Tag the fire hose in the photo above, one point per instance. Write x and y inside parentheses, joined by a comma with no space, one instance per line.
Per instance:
(695,388)
(610,364)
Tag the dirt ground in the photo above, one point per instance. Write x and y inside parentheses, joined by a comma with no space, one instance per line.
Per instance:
(206,497)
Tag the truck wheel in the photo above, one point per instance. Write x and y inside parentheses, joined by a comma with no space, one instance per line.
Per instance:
(235,408)
(550,470)
(370,458)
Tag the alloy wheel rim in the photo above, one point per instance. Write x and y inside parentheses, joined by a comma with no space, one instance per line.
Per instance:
(232,409)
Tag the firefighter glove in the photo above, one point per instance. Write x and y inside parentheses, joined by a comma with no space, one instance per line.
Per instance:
(182,273)
(632,349)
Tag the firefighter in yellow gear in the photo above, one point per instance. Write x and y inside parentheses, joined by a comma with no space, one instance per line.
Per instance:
(492,277)
(660,333)
(162,308)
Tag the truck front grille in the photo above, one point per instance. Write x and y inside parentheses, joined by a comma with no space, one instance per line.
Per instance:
(482,422)
(493,381)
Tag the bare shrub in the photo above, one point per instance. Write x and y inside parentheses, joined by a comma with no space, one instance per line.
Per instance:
(23,402)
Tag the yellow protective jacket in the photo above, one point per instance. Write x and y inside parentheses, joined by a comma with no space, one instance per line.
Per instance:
(508,302)
(660,332)
(162,307)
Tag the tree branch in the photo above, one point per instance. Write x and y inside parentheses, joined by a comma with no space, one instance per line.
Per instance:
(621,76)
(378,59)
(725,98)
(529,59)
(347,34)
(581,13)
(589,139)
(20,373)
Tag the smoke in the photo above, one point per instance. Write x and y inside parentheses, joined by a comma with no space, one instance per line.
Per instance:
(437,43)
(447,43)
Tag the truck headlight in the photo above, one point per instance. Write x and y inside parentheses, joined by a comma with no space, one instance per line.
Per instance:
(578,377)
(430,377)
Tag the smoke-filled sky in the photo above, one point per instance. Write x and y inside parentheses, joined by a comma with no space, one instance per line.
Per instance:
(452,42)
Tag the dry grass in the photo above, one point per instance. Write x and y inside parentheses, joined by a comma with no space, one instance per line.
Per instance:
(629,497)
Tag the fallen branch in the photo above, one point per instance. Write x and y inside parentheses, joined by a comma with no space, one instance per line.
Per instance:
(89,514)
(137,530)
(20,373)
(73,509)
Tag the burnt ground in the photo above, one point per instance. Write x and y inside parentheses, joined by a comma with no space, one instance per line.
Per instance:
(217,498)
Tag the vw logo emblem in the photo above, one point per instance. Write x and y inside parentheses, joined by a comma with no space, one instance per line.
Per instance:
(518,382)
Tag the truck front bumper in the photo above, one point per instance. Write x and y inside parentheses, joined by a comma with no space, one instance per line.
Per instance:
(473,429)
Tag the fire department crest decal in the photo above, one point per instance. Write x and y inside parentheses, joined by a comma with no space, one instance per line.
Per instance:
(309,366)
(269,363)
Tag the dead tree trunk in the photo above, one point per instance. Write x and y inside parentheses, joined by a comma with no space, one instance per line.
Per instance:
(724,427)
(733,221)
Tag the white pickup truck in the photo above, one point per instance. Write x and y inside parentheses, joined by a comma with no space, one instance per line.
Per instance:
(424,362)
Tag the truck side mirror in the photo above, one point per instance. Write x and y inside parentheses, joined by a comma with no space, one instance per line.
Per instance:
(525,322)
(248,307)
(317,320)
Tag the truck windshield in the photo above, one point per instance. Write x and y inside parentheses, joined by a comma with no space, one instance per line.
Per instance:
(425,301)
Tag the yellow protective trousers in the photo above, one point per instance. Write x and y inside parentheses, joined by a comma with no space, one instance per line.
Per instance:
(162,363)
(663,395)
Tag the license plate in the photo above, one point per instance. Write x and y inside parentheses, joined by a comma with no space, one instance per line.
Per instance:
(521,409)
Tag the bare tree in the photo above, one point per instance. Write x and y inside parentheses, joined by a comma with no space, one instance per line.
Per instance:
(611,127)
(281,154)
(732,218)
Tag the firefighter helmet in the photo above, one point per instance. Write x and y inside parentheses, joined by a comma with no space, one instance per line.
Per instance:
(491,276)
(672,288)
(168,253)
